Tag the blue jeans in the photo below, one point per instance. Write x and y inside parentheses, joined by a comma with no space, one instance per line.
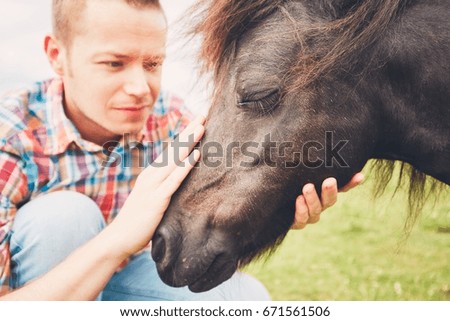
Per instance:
(47,229)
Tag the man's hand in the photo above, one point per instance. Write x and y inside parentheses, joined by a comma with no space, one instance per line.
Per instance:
(308,206)
(154,187)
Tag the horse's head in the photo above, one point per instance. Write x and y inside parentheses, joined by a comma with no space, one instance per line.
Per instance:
(287,110)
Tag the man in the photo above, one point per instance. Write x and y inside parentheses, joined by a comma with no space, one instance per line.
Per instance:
(58,185)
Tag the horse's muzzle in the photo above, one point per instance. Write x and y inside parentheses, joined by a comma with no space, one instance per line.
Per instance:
(198,262)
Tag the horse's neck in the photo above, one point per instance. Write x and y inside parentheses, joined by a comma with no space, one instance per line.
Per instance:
(419,138)
(413,92)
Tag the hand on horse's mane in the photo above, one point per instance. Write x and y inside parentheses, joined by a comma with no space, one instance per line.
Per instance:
(309,206)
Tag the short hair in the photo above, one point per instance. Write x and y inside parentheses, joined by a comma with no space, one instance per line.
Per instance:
(65,14)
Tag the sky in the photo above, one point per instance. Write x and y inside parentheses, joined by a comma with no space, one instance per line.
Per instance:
(24,23)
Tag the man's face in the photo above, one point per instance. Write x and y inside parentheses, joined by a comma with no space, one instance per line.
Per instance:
(112,69)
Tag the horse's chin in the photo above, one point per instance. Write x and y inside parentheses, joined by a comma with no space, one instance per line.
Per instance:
(213,278)
(205,278)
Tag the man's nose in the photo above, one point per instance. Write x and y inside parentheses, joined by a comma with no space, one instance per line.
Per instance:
(137,83)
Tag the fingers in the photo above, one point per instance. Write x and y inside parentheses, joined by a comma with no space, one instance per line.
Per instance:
(301,213)
(307,207)
(177,151)
(174,180)
(313,203)
(355,181)
(329,193)
(184,143)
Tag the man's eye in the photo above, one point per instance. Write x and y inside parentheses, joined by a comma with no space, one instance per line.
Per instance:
(113,64)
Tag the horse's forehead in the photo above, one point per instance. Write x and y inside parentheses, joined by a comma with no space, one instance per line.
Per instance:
(266,50)
(278,28)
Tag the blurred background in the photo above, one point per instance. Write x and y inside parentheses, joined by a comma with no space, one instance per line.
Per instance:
(357,250)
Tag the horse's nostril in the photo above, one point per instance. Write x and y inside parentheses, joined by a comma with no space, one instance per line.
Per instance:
(158,247)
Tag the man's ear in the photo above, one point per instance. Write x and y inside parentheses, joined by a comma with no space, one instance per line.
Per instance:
(55,54)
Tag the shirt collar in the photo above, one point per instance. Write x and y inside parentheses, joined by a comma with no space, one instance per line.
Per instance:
(61,132)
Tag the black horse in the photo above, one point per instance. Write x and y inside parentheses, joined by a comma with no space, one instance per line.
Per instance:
(304,90)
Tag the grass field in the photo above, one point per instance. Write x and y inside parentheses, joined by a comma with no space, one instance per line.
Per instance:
(356,252)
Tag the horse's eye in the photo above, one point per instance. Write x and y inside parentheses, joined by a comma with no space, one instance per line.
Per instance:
(261,102)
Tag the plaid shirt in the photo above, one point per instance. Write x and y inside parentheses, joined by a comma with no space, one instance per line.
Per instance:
(41,151)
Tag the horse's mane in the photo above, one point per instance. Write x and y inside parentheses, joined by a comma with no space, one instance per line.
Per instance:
(335,40)
(222,22)
(332,40)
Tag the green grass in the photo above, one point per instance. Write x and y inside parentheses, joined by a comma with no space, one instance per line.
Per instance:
(357,252)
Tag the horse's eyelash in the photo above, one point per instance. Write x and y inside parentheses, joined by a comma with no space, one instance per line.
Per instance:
(263,105)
